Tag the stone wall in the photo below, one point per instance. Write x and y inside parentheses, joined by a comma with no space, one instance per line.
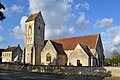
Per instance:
(87,71)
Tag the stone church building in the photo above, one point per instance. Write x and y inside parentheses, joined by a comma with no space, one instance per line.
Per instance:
(74,51)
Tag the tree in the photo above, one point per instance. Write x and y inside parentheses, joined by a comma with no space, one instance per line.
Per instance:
(114,59)
(1,13)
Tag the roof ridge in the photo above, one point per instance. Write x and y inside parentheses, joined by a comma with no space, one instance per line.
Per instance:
(12,46)
(77,36)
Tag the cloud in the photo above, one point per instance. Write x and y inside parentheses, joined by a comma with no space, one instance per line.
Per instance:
(57,33)
(18,31)
(2,40)
(77,6)
(1,28)
(56,14)
(15,8)
(111,39)
(83,5)
(81,22)
(116,40)
(104,23)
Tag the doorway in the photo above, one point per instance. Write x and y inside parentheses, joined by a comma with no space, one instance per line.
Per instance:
(78,63)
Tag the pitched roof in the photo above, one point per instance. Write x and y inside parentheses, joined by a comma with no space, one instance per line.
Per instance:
(10,48)
(86,49)
(58,47)
(32,17)
(1,50)
(71,43)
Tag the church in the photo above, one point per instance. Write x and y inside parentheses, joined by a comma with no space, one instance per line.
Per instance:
(73,51)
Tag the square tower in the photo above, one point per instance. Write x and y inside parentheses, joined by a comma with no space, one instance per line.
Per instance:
(33,39)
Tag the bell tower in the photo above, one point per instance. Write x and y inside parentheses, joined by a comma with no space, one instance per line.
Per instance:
(33,39)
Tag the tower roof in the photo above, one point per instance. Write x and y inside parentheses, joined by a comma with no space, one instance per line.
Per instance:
(32,16)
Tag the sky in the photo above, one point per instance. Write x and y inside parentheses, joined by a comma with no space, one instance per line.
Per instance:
(63,18)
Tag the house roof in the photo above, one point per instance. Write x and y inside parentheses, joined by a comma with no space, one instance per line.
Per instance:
(32,17)
(10,48)
(1,50)
(71,43)
(58,47)
(86,49)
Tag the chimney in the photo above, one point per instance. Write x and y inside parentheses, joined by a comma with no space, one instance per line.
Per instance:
(18,45)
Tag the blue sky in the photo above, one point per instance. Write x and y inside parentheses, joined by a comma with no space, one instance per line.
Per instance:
(64,18)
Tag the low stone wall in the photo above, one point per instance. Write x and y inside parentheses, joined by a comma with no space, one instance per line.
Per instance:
(87,71)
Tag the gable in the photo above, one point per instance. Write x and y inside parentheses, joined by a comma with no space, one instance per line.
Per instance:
(71,43)
(99,43)
(78,52)
(48,47)
(84,49)
(58,47)
(55,46)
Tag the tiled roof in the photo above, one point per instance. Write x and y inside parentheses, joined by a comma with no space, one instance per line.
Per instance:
(71,43)
(10,48)
(1,50)
(58,47)
(32,17)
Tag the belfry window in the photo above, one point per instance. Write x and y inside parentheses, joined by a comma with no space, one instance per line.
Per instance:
(39,27)
(39,30)
(30,29)
(48,57)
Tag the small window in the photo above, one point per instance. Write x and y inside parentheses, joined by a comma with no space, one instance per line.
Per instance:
(48,57)
(39,30)
(39,27)
(29,26)
(30,29)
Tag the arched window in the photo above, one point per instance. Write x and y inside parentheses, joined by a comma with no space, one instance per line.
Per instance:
(48,57)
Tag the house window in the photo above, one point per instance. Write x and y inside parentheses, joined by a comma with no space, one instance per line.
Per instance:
(48,57)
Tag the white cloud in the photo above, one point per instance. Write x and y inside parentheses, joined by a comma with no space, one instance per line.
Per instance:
(56,15)
(1,28)
(111,39)
(77,6)
(83,5)
(2,40)
(81,22)
(116,40)
(18,31)
(103,23)
(15,8)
